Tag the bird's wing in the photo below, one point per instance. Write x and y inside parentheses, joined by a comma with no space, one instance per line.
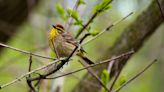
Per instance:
(68,37)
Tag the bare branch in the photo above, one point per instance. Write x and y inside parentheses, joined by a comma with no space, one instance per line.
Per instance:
(93,65)
(107,29)
(91,71)
(26,74)
(90,21)
(71,19)
(115,79)
(25,52)
(32,89)
(136,76)
(160,8)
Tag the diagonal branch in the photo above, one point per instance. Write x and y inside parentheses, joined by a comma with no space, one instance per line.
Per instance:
(28,73)
(96,64)
(70,20)
(160,8)
(132,38)
(93,74)
(107,29)
(136,76)
(90,21)
(25,52)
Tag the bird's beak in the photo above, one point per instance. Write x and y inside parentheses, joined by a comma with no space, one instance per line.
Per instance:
(54,26)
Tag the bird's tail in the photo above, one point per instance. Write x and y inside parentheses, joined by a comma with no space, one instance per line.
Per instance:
(88,61)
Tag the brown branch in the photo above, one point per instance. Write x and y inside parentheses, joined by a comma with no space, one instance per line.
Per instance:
(115,79)
(14,59)
(107,29)
(71,19)
(96,64)
(25,52)
(132,38)
(160,8)
(93,74)
(26,74)
(32,89)
(90,21)
(136,76)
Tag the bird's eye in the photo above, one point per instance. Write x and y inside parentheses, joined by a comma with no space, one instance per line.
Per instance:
(60,31)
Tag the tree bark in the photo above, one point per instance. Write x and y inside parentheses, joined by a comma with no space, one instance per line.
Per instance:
(132,38)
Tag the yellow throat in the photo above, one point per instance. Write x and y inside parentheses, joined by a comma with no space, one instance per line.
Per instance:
(53,34)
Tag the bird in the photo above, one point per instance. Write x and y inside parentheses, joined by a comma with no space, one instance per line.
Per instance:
(63,43)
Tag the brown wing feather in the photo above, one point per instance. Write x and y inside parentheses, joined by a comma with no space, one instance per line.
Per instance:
(68,37)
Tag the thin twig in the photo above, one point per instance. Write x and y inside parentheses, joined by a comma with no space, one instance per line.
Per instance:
(136,76)
(119,70)
(90,21)
(45,66)
(14,59)
(160,8)
(32,89)
(25,52)
(30,64)
(26,74)
(115,79)
(107,29)
(91,71)
(93,65)
(71,19)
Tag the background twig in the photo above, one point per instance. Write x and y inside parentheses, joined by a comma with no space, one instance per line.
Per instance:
(136,76)
(90,21)
(25,52)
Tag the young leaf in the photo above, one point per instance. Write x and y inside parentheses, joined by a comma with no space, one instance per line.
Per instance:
(103,6)
(81,2)
(94,33)
(75,16)
(60,9)
(105,77)
(121,81)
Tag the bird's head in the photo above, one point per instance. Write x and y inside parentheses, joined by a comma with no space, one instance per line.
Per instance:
(59,28)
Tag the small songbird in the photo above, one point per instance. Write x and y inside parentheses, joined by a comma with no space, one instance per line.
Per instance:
(63,43)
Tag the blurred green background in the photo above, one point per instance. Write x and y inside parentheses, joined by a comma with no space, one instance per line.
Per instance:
(32,35)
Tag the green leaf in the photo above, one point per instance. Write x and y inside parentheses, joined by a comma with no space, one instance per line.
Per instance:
(81,2)
(93,32)
(121,81)
(103,6)
(60,9)
(69,11)
(105,77)
(79,22)
(75,16)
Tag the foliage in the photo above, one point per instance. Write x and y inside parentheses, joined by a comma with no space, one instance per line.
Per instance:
(105,77)
(103,6)
(120,81)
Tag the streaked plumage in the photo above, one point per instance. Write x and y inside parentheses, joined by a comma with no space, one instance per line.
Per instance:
(63,43)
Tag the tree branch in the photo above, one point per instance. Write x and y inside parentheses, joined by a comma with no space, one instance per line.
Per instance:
(136,76)
(132,38)
(90,21)
(25,52)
